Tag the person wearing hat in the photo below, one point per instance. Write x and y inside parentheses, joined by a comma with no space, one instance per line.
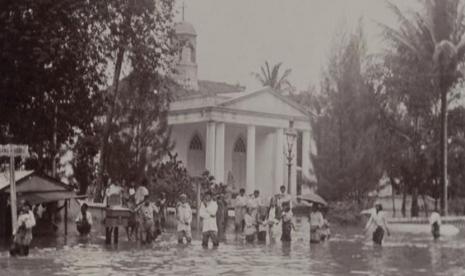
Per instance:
(184,218)
(207,212)
(84,220)
(378,220)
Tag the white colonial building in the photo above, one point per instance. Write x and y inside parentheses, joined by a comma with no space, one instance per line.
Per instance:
(238,136)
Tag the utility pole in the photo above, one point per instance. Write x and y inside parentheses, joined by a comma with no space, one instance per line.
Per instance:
(12,151)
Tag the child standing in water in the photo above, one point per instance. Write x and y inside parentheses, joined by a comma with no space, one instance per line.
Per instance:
(273,218)
(287,224)
(184,216)
(435,222)
(250,226)
(262,227)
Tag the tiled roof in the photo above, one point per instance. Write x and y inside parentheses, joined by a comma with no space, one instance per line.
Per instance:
(5,177)
(206,88)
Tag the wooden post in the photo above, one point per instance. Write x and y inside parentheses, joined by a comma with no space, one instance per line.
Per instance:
(108,235)
(116,234)
(66,217)
(11,151)
(3,207)
(14,219)
(198,206)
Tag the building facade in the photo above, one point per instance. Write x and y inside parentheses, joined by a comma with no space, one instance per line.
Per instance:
(239,136)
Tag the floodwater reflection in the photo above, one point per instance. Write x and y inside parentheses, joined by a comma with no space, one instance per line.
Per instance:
(346,253)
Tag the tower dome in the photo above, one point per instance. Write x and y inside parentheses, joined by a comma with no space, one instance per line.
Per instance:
(184,28)
(186,67)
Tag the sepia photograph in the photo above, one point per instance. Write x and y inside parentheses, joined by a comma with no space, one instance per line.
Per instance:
(232,137)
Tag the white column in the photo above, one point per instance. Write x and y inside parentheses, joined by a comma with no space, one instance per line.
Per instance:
(306,153)
(293,190)
(210,148)
(279,160)
(219,150)
(250,172)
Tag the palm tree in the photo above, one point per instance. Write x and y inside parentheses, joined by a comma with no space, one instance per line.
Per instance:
(436,36)
(271,77)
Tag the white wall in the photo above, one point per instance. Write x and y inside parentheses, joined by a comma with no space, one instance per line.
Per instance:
(264,175)
(181,135)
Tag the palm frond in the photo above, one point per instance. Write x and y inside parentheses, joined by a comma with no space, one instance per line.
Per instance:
(400,40)
(283,79)
(268,72)
(274,75)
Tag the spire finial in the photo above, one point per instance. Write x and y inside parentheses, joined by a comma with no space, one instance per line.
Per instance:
(183,8)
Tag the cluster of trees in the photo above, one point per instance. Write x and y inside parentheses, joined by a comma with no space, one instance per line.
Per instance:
(394,113)
(58,60)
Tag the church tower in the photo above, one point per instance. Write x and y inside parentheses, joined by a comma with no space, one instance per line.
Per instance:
(186,66)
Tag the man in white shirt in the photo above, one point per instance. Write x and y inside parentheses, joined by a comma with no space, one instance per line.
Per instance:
(284,197)
(141,192)
(184,216)
(146,219)
(239,210)
(84,220)
(207,212)
(114,194)
(435,223)
(255,202)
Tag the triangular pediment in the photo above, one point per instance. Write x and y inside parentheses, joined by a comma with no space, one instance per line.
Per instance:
(266,101)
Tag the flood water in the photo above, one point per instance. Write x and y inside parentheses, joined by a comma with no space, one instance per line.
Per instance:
(348,252)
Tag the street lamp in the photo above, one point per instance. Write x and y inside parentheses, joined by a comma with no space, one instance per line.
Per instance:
(291,136)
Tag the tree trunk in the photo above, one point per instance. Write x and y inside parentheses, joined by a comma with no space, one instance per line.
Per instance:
(393,196)
(54,142)
(425,204)
(341,158)
(108,122)
(414,211)
(443,150)
(404,198)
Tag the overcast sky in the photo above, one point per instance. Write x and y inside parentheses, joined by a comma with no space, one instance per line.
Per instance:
(235,37)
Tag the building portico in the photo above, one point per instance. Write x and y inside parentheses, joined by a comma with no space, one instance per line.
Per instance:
(240,138)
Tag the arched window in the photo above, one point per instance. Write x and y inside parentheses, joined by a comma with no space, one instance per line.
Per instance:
(239,146)
(196,143)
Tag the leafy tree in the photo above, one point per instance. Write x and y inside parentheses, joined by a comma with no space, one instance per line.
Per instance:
(434,36)
(139,37)
(50,73)
(348,162)
(84,163)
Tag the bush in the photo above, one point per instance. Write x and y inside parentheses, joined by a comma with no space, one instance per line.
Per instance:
(171,178)
(457,206)
(345,213)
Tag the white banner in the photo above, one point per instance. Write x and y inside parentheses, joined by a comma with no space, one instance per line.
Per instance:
(16,150)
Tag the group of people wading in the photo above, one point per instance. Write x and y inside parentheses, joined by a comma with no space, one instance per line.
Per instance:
(148,218)
(256,219)
(379,225)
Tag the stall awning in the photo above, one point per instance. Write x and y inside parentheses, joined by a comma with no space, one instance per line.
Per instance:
(38,198)
(37,188)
